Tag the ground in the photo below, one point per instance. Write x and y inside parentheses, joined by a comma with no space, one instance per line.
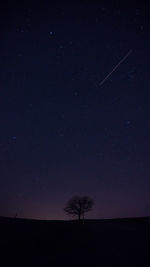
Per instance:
(121,242)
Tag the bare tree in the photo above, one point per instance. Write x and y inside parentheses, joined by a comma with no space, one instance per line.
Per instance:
(78,206)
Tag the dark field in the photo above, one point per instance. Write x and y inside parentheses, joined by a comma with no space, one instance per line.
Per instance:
(124,242)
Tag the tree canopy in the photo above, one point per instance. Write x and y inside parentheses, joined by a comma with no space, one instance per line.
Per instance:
(78,206)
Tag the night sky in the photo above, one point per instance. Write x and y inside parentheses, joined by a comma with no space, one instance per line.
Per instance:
(61,132)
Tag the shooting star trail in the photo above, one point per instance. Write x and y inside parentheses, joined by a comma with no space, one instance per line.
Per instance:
(123,59)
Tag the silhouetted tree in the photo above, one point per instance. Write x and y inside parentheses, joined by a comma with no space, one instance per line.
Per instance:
(77,206)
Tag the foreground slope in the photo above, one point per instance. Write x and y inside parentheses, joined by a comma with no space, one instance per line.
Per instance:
(121,242)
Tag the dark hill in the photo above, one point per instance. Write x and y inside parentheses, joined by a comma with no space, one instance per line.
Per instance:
(117,242)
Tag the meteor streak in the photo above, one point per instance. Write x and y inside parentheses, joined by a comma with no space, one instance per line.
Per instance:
(130,51)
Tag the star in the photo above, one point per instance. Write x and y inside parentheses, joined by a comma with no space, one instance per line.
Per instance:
(14,138)
(128,124)
(62,116)
(76,93)
(20,55)
(141,27)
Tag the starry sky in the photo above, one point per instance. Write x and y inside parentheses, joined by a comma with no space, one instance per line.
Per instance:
(62,132)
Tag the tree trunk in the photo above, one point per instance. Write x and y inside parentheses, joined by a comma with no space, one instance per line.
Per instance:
(83,218)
